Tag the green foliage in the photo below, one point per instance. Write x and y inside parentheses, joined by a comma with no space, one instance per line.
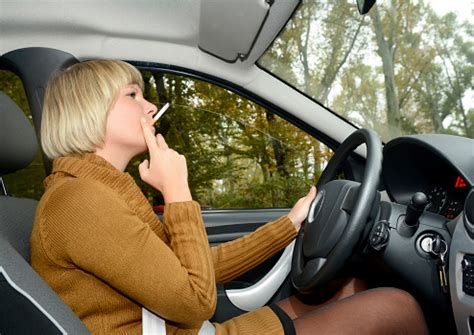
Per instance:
(238,154)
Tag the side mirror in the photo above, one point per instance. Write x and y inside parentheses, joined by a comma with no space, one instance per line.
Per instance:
(364,6)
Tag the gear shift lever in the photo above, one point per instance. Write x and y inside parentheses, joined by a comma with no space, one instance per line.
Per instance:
(417,205)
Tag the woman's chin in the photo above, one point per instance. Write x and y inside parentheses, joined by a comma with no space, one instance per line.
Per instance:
(141,149)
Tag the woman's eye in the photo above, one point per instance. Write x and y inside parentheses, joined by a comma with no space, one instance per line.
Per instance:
(132,94)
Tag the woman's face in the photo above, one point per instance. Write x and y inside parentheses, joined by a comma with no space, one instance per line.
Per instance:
(124,130)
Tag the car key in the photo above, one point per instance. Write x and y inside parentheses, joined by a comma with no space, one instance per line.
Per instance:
(443,278)
(436,245)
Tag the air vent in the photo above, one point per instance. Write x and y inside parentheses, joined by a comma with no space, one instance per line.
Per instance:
(469,214)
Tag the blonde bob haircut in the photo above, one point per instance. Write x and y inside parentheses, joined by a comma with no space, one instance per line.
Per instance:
(76,104)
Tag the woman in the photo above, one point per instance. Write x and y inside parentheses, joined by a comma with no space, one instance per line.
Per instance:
(99,245)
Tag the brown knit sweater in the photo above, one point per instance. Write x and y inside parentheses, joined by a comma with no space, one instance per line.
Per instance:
(100,246)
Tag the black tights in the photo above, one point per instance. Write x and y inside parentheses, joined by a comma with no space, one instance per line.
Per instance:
(355,310)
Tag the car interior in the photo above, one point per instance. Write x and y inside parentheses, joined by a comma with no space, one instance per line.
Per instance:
(397,212)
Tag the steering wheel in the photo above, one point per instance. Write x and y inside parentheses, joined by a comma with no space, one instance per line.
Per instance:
(337,216)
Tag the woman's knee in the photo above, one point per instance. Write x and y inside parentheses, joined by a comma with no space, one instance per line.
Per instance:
(375,311)
(396,298)
(401,307)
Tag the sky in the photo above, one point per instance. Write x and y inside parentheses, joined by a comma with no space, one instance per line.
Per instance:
(463,8)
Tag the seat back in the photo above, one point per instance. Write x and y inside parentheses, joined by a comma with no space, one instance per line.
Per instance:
(27,303)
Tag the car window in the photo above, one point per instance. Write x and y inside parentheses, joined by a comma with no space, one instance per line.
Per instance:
(396,73)
(27,183)
(239,154)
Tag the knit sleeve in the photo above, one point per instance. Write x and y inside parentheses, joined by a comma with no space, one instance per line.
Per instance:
(97,232)
(234,258)
(158,228)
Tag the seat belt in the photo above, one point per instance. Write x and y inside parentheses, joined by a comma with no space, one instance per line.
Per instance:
(152,324)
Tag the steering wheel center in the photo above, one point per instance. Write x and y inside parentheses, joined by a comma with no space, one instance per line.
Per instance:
(328,217)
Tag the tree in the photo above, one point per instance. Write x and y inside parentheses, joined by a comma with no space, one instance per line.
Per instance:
(457,59)
(316,44)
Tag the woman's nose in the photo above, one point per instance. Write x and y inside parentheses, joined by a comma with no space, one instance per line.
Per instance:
(150,108)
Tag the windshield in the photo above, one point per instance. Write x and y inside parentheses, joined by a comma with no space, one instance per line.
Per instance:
(406,67)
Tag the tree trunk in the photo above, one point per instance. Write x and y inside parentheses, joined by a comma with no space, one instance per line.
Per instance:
(277,147)
(433,109)
(332,69)
(386,53)
(303,52)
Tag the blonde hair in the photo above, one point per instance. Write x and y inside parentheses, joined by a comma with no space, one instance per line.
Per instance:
(76,103)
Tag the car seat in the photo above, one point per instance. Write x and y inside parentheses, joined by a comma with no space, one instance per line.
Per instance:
(27,304)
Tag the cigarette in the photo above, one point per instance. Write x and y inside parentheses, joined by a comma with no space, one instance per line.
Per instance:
(161,112)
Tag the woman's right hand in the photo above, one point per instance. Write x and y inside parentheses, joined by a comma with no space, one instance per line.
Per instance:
(167,170)
(300,210)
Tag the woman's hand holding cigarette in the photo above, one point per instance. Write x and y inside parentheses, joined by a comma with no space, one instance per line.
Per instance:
(167,170)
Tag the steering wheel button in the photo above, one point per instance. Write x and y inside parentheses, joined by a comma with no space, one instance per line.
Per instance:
(379,236)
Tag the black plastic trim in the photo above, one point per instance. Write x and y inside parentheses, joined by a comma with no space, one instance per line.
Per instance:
(419,143)
(18,315)
(225,309)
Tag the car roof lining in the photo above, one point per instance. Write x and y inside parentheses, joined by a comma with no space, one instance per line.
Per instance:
(212,26)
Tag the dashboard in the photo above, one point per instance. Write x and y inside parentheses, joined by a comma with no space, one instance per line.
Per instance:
(442,167)
(421,163)
(448,198)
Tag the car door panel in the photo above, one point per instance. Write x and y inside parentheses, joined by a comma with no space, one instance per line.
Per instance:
(228,224)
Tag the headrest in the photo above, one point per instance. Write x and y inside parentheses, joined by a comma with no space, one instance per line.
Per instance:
(17,138)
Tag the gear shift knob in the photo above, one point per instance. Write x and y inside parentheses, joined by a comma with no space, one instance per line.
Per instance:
(417,205)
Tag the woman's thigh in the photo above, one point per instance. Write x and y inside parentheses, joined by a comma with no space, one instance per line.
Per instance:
(376,311)
(295,307)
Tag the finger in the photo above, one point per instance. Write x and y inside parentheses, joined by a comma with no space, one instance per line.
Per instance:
(149,136)
(312,193)
(161,141)
(143,168)
(151,121)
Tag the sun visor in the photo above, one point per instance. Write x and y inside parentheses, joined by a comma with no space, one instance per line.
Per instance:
(228,29)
